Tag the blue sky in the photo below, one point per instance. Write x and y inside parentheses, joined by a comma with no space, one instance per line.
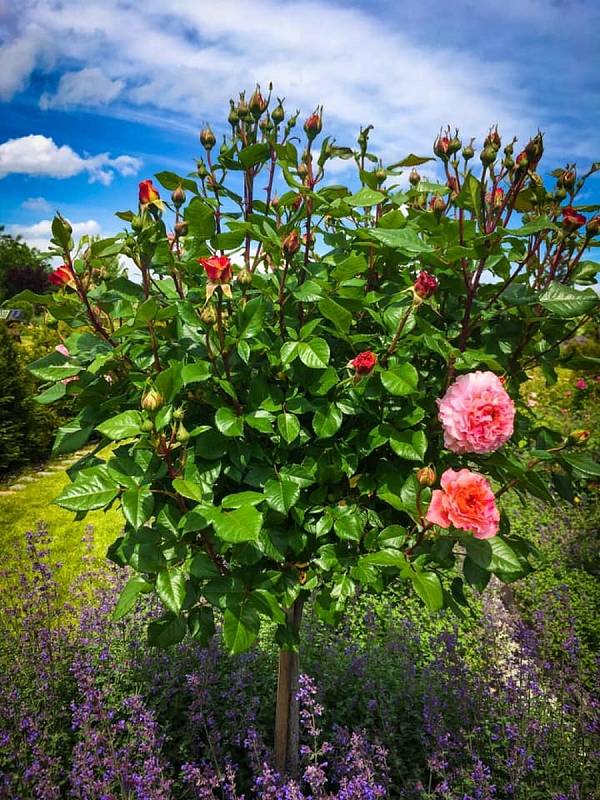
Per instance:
(96,95)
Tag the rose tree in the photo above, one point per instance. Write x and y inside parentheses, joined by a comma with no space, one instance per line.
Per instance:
(314,391)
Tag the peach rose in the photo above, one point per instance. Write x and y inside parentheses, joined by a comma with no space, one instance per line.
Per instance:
(465,501)
(476,413)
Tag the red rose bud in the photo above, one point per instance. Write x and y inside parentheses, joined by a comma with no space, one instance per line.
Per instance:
(437,204)
(291,244)
(207,138)
(414,177)
(568,178)
(60,276)
(496,198)
(178,197)
(217,268)
(493,139)
(314,123)
(364,363)
(522,160)
(181,228)
(441,145)
(148,193)
(425,285)
(426,476)
(453,185)
(593,226)
(257,104)
(572,219)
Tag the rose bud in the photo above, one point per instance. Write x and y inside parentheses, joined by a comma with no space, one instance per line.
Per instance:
(496,198)
(233,117)
(579,436)
(152,400)
(244,277)
(426,476)
(522,160)
(242,106)
(148,193)
(61,276)
(217,268)
(314,123)
(437,204)
(208,315)
(298,200)
(425,285)
(593,226)
(182,434)
(440,146)
(291,244)
(147,426)
(468,151)
(278,113)
(178,197)
(488,155)
(493,139)
(257,104)
(508,162)
(179,413)
(568,178)
(201,170)
(454,144)
(364,363)
(207,138)
(302,171)
(534,149)
(414,177)
(572,219)
(181,228)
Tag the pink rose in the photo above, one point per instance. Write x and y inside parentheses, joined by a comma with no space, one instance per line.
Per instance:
(581,384)
(467,502)
(476,413)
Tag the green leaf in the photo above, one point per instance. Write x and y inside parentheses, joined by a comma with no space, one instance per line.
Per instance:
(282,494)
(251,318)
(188,489)
(494,554)
(195,373)
(92,489)
(171,588)
(202,567)
(254,154)
(411,160)
(266,603)
(123,426)
(365,197)
(582,464)
(52,394)
(386,558)
(405,240)
(401,380)
(565,302)
(348,523)
(228,422)
(429,588)
(475,575)
(241,625)
(410,445)
(170,180)
(240,499)
(200,218)
(71,437)
(327,421)
(314,354)
(129,594)
(201,624)
(167,631)
(341,318)
(288,426)
(242,525)
(138,505)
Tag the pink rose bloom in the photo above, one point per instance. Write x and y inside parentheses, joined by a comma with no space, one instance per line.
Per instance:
(581,384)
(467,502)
(476,413)
(64,351)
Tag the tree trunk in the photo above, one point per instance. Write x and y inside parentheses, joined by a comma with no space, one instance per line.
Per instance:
(287,719)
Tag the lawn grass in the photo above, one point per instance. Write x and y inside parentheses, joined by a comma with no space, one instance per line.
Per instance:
(20,512)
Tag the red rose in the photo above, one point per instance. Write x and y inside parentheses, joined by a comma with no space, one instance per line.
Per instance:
(364,362)
(571,219)
(314,123)
(440,146)
(60,276)
(425,285)
(218,268)
(148,193)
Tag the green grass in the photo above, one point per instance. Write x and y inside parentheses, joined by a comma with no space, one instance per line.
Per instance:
(21,511)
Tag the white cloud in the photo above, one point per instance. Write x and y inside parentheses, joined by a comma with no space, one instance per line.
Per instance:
(88,87)
(39,234)
(36,204)
(38,155)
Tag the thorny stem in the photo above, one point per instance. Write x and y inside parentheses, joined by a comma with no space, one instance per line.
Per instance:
(404,319)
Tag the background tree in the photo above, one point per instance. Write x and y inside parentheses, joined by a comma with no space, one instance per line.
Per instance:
(21,268)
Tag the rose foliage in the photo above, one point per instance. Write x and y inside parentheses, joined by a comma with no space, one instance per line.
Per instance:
(284,377)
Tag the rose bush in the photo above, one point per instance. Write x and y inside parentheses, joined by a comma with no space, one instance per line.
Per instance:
(269,379)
